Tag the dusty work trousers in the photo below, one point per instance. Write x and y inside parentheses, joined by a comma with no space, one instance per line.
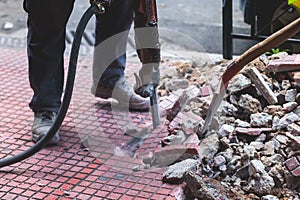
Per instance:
(46,22)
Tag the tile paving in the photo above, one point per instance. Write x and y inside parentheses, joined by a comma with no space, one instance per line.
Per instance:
(68,170)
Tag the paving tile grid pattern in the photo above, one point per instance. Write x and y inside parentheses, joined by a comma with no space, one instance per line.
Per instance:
(69,170)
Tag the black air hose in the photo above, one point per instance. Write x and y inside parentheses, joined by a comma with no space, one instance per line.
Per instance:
(67,96)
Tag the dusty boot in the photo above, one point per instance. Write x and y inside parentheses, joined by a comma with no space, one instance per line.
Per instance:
(124,94)
(42,123)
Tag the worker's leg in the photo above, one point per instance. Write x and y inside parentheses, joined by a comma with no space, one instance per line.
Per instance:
(46,44)
(110,46)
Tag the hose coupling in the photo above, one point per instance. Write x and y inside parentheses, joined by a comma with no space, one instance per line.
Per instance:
(101,5)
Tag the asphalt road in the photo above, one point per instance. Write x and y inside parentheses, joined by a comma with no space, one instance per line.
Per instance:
(190,24)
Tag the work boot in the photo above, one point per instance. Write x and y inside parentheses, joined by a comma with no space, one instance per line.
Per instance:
(42,123)
(125,95)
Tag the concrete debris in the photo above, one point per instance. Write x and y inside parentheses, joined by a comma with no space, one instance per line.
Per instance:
(209,146)
(226,130)
(260,182)
(238,83)
(261,84)
(269,197)
(290,95)
(174,173)
(286,120)
(288,107)
(251,150)
(260,120)
(294,129)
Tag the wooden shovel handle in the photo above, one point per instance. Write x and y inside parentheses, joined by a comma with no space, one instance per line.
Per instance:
(272,41)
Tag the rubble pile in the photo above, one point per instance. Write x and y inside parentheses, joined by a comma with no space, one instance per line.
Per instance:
(252,149)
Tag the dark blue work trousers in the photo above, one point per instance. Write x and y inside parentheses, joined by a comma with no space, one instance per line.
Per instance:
(47,21)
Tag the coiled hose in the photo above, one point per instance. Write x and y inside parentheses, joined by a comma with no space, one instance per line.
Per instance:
(93,9)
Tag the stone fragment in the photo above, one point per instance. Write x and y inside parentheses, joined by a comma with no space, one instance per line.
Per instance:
(293,138)
(285,84)
(290,95)
(269,148)
(274,110)
(219,160)
(205,91)
(209,146)
(192,139)
(175,84)
(275,58)
(172,154)
(256,167)
(226,130)
(294,129)
(174,173)
(252,131)
(238,83)
(174,139)
(249,104)
(249,151)
(282,139)
(240,123)
(269,197)
(260,120)
(286,120)
(257,145)
(260,182)
(288,107)
(205,188)
(229,109)
(261,84)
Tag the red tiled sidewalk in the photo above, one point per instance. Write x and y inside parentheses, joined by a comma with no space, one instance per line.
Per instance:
(68,171)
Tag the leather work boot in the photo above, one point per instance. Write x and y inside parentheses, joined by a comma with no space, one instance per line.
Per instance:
(125,95)
(42,123)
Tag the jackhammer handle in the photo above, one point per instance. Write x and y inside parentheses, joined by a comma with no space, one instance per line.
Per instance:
(272,41)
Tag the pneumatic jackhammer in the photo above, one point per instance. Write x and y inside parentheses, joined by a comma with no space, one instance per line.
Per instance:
(150,56)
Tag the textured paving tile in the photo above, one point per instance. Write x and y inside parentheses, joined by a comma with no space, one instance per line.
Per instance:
(68,170)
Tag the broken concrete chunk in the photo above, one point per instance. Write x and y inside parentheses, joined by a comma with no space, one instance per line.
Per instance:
(274,110)
(269,197)
(260,120)
(290,95)
(260,182)
(229,109)
(257,145)
(240,123)
(219,160)
(294,129)
(288,107)
(282,139)
(174,173)
(238,83)
(249,104)
(285,84)
(269,148)
(252,131)
(256,167)
(226,130)
(175,84)
(209,146)
(285,121)
(261,84)
(178,138)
